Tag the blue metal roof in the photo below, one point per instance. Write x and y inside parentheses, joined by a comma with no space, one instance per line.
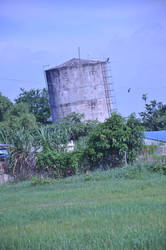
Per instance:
(4,153)
(156,135)
(3,146)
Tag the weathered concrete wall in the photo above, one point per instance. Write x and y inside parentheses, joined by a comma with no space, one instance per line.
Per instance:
(77,89)
(160,146)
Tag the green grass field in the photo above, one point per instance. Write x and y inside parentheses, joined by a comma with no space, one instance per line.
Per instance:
(82,212)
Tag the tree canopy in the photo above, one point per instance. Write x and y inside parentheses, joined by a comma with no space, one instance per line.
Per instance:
(37,101)
(154,116)
(5,104)
(16,117)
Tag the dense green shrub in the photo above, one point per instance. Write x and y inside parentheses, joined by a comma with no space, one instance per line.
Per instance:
(58,164)
(110,141)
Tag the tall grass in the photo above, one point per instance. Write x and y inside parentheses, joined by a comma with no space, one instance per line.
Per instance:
(100,210)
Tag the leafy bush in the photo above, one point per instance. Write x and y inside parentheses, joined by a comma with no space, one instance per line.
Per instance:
(107,144)
(58,164)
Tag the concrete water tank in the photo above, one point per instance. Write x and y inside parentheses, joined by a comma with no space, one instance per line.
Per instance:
(80,86)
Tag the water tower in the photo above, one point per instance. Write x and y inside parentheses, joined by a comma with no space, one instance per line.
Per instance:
(81,86)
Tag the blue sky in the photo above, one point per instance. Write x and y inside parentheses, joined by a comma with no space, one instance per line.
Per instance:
(131,33)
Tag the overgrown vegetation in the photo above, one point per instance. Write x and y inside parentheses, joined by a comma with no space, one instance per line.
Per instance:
(44,149)
(38,147)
